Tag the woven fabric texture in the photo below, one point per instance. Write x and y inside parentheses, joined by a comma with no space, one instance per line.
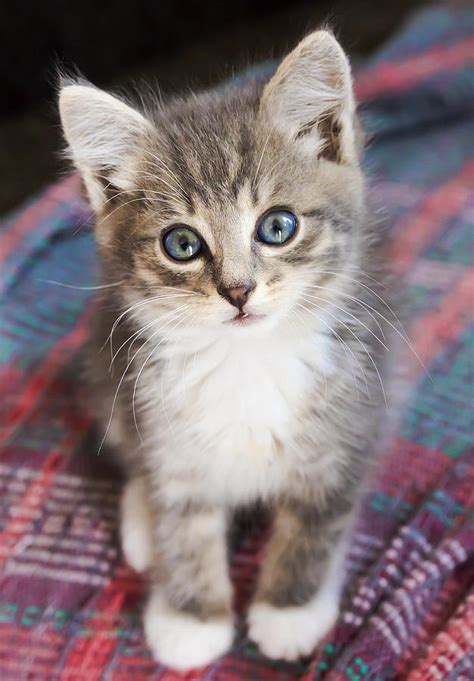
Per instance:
(70,607)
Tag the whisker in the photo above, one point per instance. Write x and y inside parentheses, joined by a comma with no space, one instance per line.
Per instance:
(261,159)
(144,328)
(155,333)
(185,314)
(177,309)
(177,191)
(136,190)
(180,290)
(371,290)
(81,288)
(122,205)
(365,350)
(139,303)
(160,161)
(133,190)
(301,318)
(275,165)
(183,377)
(176,188)
(403,335)
(165,412)
(345,347)
(342,309)
(117,194)
(352,267)
(353,298)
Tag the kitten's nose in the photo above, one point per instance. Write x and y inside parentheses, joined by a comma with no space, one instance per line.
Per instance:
(237,295)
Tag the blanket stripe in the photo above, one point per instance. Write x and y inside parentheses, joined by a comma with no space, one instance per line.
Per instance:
(404,75)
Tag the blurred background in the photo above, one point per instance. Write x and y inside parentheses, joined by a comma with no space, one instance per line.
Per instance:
(177,44)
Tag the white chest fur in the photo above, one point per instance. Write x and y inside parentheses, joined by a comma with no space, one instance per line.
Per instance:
(230,411)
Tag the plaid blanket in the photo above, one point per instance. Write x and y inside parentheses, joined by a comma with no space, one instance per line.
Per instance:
(69,606)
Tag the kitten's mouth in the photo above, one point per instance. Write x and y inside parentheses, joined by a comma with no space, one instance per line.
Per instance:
(244,318)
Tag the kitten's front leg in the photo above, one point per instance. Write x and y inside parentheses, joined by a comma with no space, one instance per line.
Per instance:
(188,619)
(297,600)
(136,525)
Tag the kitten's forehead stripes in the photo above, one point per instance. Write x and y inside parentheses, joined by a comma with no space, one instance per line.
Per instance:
(179,164)
(214,155)
(336,215)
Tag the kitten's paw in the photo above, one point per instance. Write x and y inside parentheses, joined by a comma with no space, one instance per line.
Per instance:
(181,641)
(136,526)
(292,632)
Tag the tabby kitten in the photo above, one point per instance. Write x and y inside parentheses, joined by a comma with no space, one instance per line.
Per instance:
(241,276)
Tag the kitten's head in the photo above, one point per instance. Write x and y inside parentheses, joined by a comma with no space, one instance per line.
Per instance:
(225,207)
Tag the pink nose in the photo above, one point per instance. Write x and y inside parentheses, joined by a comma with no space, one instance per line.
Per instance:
(237,295)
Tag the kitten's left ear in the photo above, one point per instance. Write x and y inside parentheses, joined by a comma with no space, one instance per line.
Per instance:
(103,134)
(310,98)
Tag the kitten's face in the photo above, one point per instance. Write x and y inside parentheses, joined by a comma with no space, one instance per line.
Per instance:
(245,243)
(224,211)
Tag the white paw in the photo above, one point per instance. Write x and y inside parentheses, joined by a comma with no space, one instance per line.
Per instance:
(136,526)
(293,632)
(181,641)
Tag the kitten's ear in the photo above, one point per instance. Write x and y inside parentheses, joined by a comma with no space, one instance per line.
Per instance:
(310,98)
(103,134)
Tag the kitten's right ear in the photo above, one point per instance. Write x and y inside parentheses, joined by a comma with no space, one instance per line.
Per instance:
(103,134)
(310,99)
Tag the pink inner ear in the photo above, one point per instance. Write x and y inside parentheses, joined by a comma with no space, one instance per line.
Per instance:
(330,131)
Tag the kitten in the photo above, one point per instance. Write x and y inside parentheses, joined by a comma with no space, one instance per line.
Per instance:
(242,273)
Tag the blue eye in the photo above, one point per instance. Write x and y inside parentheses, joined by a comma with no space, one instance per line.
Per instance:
(277,227)
(181,243)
